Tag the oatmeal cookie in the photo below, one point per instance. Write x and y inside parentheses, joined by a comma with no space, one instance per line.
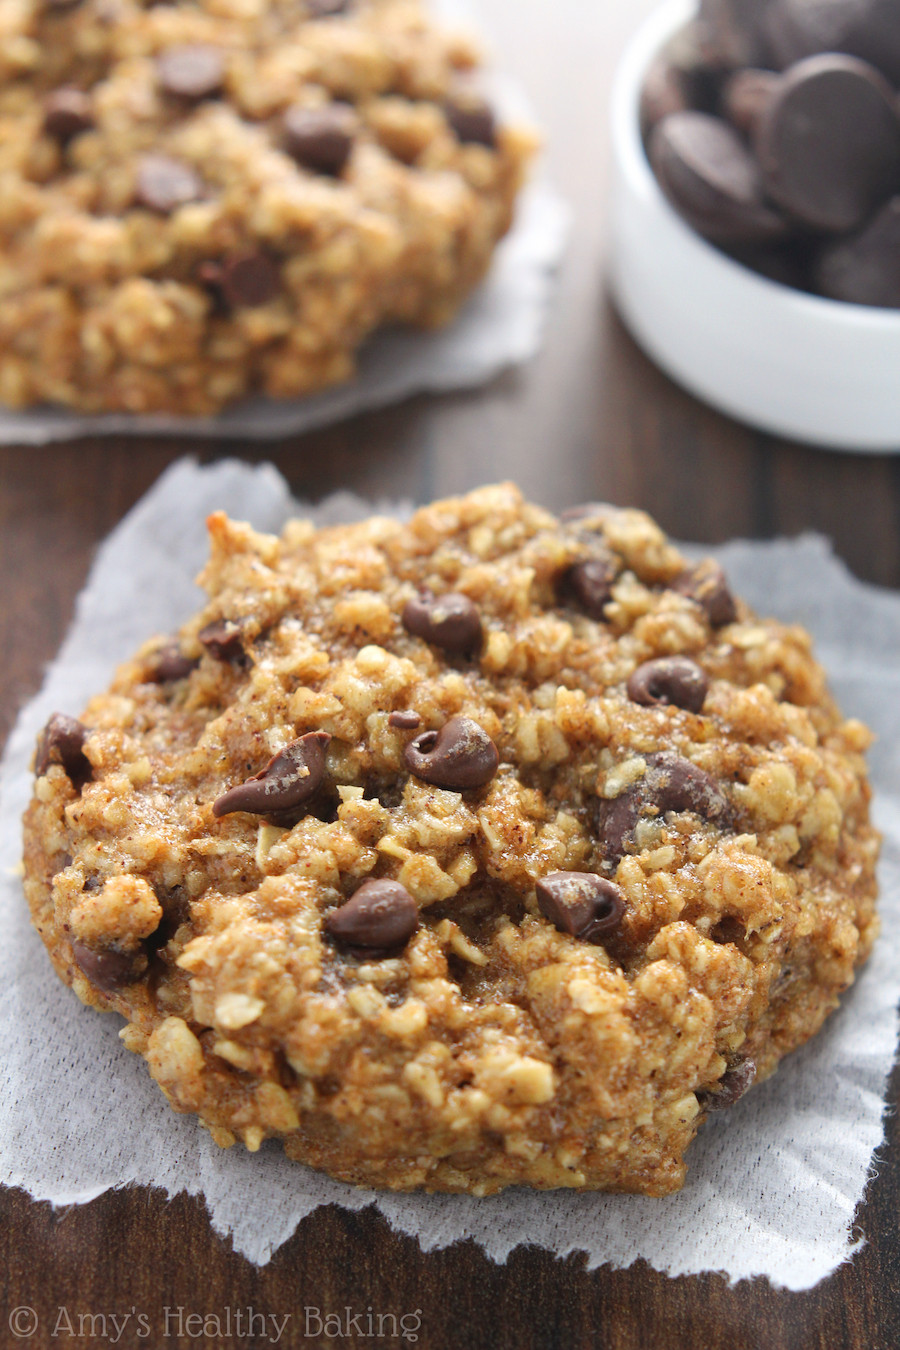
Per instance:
(489,848)
(204,200)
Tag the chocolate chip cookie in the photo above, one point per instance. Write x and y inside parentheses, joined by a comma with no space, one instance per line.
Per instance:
(207,200)
(485,849)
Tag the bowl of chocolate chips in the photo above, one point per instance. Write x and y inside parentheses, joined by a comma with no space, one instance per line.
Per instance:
(756,211)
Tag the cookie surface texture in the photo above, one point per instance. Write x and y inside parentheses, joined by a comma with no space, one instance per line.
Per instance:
(203,201)
(515,910)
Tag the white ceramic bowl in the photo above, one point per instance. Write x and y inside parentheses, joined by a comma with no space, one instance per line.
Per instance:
(793,364)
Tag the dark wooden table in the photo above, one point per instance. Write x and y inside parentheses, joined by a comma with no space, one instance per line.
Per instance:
(590,418)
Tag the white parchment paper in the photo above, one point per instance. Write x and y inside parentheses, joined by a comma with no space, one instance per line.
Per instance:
(500,325)
(773,1184)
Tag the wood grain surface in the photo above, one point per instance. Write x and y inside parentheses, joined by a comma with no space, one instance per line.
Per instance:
(589,418)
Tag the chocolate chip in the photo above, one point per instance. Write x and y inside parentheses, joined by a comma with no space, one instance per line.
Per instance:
(829,142)
(731,1087)
(736,30)
(67,113)
(580,903)
(588,586)
(711,179)
(673,680)
(250,279)
(194,71)
(865,269)
(868,29)
(687,75)
(326,9)
(670,783)
(164,184)
(169,664)
(696,53)
(62,742)
(320,139)
(706,583)
(746,96)
(381,915)
(109,970)
(243,280)
(289,780)
(209,274)
(450,621)
(662,94)
(458,757)
(472,119)
(405,720)
(58,6)
(223,639)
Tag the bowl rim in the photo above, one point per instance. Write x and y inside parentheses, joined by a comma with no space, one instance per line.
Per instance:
(646,44)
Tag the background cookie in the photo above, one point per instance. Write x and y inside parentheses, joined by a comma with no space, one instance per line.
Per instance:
(534,1026)
(206,200)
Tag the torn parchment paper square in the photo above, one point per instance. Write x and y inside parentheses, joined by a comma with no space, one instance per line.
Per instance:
(773,1184)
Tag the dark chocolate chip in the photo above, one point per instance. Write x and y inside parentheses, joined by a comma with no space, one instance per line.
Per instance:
(696,53)
(673,680)
(326,9)
(736,29)
(163,184)
(582,904)
(67,113)
(828,143)
(109,970)
(711,179)
(664,92)
(688,74)
(670,783)
(194,71)
(209,274)
(169,664)
(450,621)
(290,779)
(405,720)
(868,29)
(706,583)
(588,586)
(746,96)
(381,915)
(62,742)
(458,757)
(731,1087)
(249,279)
(223,639)
(320,139)
(865,269)
(472,119)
